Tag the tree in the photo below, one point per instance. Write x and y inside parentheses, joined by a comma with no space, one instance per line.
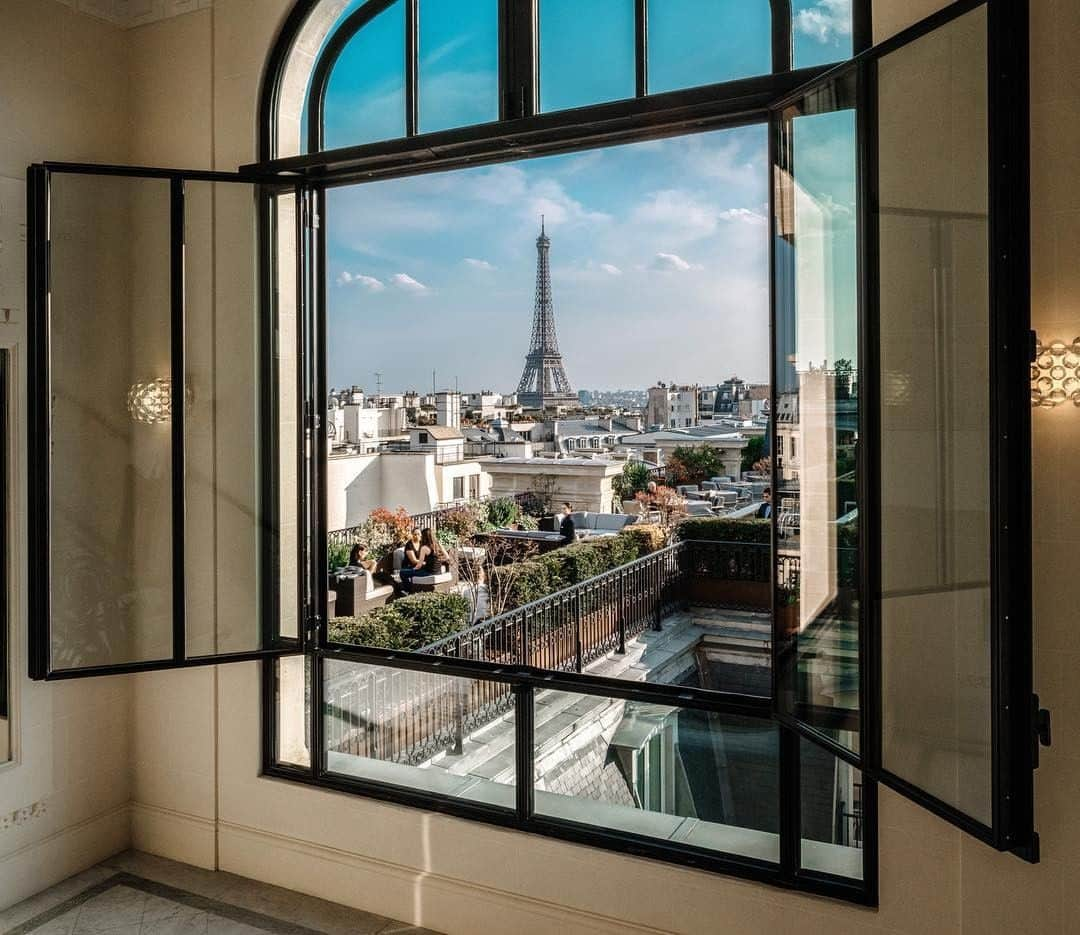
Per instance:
(753,452)
(635,477)
(691,465)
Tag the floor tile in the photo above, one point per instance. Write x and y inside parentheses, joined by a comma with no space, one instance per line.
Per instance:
(134,894)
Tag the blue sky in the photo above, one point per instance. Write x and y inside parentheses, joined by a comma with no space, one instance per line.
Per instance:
(659,249)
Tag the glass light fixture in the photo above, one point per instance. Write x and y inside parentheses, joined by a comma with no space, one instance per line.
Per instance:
(1055,375)
(150,402)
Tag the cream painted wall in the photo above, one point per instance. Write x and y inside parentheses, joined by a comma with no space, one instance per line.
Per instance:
(195,747)
(63,96)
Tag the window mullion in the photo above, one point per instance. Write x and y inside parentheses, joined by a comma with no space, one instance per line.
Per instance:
(781,36)
(179,367)
(412,55)
(641,45)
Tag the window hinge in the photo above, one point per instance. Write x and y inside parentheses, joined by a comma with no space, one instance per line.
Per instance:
(1040,726)
(312,632)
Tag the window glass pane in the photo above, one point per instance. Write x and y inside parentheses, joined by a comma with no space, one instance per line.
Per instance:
(821,31)
(110,510)
(586,52)
(459,63)
(293,702)
(421,730)
(365,96)
(680,775)
(935,443)
(293,110)
(695,42)
(817,411)
(459,264)
(225,531)
(832,813)
(286,376)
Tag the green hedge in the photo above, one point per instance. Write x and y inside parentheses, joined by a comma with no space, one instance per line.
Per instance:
(722,529)
(536,578)
(407,623)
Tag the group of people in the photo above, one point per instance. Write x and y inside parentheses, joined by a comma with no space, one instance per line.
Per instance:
(423,555)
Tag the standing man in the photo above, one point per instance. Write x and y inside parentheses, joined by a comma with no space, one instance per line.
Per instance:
(765,510)
(566,527)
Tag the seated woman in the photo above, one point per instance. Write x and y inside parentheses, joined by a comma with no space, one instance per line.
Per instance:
(436,560)
(414,560)
(358,558)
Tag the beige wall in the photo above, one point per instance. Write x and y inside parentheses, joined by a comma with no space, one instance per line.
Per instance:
(63,96)
(196,752)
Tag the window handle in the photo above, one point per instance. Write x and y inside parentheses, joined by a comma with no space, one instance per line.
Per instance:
(1040,726)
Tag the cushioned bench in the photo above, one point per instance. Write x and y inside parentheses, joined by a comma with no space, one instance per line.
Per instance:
(357,592)
(591,525)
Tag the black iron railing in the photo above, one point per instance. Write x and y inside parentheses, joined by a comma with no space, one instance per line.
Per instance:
(409,716)
(573,627)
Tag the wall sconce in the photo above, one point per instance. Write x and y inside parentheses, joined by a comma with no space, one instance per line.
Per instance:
(150,402)
(1055,375)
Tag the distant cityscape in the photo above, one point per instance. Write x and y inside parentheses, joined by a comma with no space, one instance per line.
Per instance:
(422,451)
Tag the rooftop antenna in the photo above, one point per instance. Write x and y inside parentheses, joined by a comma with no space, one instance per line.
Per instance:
(433,391)
(378,383)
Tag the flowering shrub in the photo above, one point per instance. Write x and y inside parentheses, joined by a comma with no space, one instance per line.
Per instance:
(397,523)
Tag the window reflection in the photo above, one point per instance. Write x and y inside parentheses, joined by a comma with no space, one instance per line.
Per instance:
(817,396)
(833,813)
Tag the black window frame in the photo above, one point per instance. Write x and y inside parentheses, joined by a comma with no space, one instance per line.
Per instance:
(1014,707)
(518,135)
(39,411)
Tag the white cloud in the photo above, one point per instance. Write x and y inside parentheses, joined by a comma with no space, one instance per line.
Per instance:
(671,263)
(478,264)
(611,269)
(826,21)
(743,216)
(406,283)
(359,279)
(678,212)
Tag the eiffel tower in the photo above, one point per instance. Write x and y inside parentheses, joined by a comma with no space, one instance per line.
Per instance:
(544,383)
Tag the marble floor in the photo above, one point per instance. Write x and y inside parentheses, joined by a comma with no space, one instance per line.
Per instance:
(135,893)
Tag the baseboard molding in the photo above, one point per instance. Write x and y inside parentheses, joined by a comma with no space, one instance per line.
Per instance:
(42,864)
(189,839)
(408,894)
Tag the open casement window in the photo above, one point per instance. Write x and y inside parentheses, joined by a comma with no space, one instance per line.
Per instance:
(165,456)
(903,645)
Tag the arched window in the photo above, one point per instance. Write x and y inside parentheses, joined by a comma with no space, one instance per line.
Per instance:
(350,73)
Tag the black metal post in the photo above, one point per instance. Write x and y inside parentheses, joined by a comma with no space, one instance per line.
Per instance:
(621,611)
(524,724)
(576,610)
